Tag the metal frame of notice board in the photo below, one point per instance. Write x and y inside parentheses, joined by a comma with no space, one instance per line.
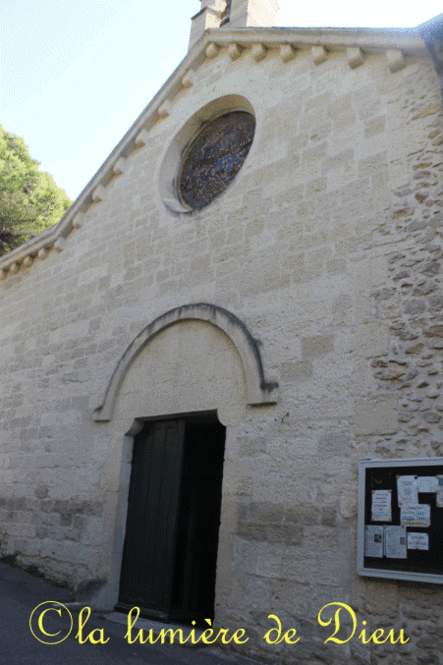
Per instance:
(400,519)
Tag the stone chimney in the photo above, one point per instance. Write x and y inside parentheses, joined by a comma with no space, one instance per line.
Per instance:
(253,13)
(233,14)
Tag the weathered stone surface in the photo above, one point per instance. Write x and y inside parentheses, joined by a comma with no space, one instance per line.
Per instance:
(296,371)
(250,447)
(335,444)
(302,514)
(317,346)
(376,416)
(329,516)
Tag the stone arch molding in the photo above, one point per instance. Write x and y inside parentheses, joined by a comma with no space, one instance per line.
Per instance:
(259,390)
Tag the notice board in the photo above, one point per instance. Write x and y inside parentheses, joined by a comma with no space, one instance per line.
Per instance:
(400,519)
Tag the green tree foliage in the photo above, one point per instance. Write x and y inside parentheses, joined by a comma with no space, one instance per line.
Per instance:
(30,201)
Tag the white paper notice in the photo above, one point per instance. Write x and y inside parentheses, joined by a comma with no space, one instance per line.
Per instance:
(416,515)
(374,541)
(381,506)
(407,491)
(427,484)
(439,496)
(395,542)
(418,541)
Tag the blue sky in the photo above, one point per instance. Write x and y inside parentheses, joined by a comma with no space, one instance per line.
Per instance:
(75,74)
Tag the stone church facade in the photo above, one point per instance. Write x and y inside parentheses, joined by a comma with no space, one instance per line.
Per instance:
(296,319)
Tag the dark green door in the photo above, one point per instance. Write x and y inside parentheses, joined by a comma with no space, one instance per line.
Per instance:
(169,559)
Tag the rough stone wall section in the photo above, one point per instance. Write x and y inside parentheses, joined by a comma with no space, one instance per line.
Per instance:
(411,302)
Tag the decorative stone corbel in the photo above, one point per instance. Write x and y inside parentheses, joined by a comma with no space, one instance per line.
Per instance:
(395,59)
(234,51)
(189,79)
(165,109)
(142,138)
(354,56)
(211,50)
(78,220)
(59,244)
(42,253)
(319,54)
(287,52)
(98,194)
(14,268)
(258,52)
(28,261)
(120,166)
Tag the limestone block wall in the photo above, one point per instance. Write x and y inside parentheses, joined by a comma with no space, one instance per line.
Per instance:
(327,246)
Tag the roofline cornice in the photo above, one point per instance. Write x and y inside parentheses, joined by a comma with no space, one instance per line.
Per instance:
(368,40)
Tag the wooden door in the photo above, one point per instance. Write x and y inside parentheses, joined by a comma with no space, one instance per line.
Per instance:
(148,557)
(169,559)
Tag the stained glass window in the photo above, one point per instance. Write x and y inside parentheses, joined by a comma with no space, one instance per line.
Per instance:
(214,158)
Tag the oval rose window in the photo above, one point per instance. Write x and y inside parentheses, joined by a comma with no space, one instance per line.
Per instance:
(214,158)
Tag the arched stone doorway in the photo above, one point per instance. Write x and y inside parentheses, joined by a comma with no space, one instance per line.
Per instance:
(192,369)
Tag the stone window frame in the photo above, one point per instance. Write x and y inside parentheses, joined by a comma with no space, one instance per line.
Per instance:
(178,147)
